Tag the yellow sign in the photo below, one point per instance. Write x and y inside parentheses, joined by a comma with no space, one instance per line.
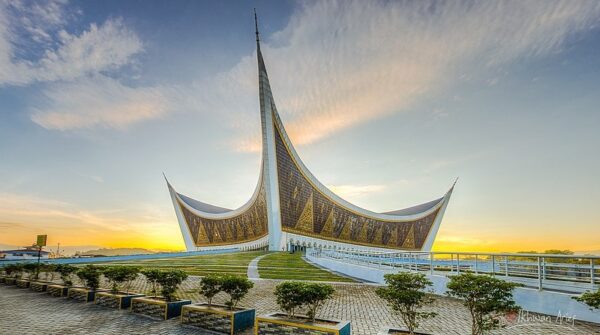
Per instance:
(41,240)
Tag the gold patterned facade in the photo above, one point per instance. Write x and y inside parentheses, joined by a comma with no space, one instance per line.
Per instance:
(307,211)
(247,226)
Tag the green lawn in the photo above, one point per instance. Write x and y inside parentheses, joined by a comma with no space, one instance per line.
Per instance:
(283,265)
(231,263)
(277,265)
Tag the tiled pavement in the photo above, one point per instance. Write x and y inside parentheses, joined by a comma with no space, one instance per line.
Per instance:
(25,312)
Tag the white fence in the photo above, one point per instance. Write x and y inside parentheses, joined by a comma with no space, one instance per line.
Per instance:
(564,273)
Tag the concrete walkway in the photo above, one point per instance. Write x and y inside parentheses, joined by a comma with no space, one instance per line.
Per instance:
(23,311)
(253,268)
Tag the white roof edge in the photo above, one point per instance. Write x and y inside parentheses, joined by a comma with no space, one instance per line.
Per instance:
(217,216)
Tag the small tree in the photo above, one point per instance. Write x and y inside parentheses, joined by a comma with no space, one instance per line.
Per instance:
(49,271)
(315,295)
(210,286)
(591,299)
(30,269)
(66,272)
(169,281)
(405,295)
(121,275)
(485,297)
(90,276)
(289,296)
(13,270)
(236,287)
(293,294)
(152,276)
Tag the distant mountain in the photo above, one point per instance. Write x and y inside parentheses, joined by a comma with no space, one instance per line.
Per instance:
(588,252)
(117,252)
(8,247)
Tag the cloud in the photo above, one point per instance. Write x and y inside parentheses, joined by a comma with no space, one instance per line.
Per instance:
(62,55)
(97,101)
(355,191)
(74,69)
(338,63)
(335,65)
(29,211)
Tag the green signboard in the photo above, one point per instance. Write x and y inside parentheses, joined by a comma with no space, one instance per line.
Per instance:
(41,240)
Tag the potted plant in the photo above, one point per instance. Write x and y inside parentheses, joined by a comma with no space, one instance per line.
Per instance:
(228,318)
(292,296)
(592,299)
(42,285)
(3,275)
(66,272)
(89,275)
(120,278)
(405,294)
(13,271)
(151,276)
(487,299)
(26,275)
(164,307)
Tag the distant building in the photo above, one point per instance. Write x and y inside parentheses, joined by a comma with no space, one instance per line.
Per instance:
(23,254)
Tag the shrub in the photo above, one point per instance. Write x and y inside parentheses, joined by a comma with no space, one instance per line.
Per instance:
(13,270)
(30,269)
(66,273)
(119,275)
(236,287)
(152,278)
(90,276)
(315,295)
(292,295)
(405,295)
(485,297)
(210,286)
(591,299)
(169,281)
(49,271)
(289,296)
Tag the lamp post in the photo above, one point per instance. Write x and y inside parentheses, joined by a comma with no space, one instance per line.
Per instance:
(41,241)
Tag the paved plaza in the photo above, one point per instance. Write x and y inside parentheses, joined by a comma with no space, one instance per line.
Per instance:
(23,311)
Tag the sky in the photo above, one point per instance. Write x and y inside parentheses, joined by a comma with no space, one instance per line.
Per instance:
(387,102)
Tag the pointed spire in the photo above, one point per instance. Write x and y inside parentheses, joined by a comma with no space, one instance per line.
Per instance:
(167,180)
(256,28)
(261,62)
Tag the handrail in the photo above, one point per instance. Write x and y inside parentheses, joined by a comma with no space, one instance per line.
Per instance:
(471,254)
(541,271)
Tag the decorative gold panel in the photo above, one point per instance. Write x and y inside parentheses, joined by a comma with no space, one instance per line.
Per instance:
(307,211)
(245,227)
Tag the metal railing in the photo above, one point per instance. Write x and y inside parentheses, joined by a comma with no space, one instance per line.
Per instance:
(566,273)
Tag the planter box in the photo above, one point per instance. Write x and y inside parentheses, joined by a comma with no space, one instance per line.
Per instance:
(218,318)
(57,290)
(115,300)
(38,286)
(22,283)
(157,308)
(10,281)
(398,331)
(280,324)
(81,294)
